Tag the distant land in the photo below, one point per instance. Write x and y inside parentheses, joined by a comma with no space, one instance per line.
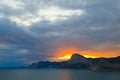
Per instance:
(80,62)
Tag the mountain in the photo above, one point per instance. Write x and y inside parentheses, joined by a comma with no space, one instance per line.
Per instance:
(80,62)
(76,58)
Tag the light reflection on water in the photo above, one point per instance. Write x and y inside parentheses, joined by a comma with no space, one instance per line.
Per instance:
(64,75)
(55,74)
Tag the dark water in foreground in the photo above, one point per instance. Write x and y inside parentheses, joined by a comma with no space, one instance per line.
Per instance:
(55,74)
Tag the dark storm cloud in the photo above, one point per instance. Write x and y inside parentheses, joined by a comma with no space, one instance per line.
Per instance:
(16,44)
(97,27)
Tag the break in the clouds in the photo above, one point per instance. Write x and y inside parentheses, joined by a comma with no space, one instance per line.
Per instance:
(33,30)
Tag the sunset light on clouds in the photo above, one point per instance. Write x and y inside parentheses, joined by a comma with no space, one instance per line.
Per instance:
(65,53)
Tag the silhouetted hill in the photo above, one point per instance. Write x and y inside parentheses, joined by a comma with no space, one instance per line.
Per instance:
(79,62)
(76,58)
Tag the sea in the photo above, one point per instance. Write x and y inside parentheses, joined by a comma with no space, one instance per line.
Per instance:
(56,74)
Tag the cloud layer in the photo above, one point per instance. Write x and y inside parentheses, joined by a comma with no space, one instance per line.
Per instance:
(33,30)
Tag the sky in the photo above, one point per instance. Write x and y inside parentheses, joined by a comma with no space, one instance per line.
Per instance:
(34,30)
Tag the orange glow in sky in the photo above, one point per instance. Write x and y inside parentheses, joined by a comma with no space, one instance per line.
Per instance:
(64,53)
(89,56)
(65,57)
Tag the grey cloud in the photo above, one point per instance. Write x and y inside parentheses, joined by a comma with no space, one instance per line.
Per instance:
(98,27)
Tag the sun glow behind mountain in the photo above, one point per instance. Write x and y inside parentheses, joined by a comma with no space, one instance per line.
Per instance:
(65,57)
(68,56)
(89,56)
(65,52)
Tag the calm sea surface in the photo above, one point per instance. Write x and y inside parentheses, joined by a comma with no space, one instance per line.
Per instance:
(55,74)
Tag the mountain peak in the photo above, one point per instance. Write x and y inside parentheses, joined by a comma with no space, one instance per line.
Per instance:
(77,58)
(76,55)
